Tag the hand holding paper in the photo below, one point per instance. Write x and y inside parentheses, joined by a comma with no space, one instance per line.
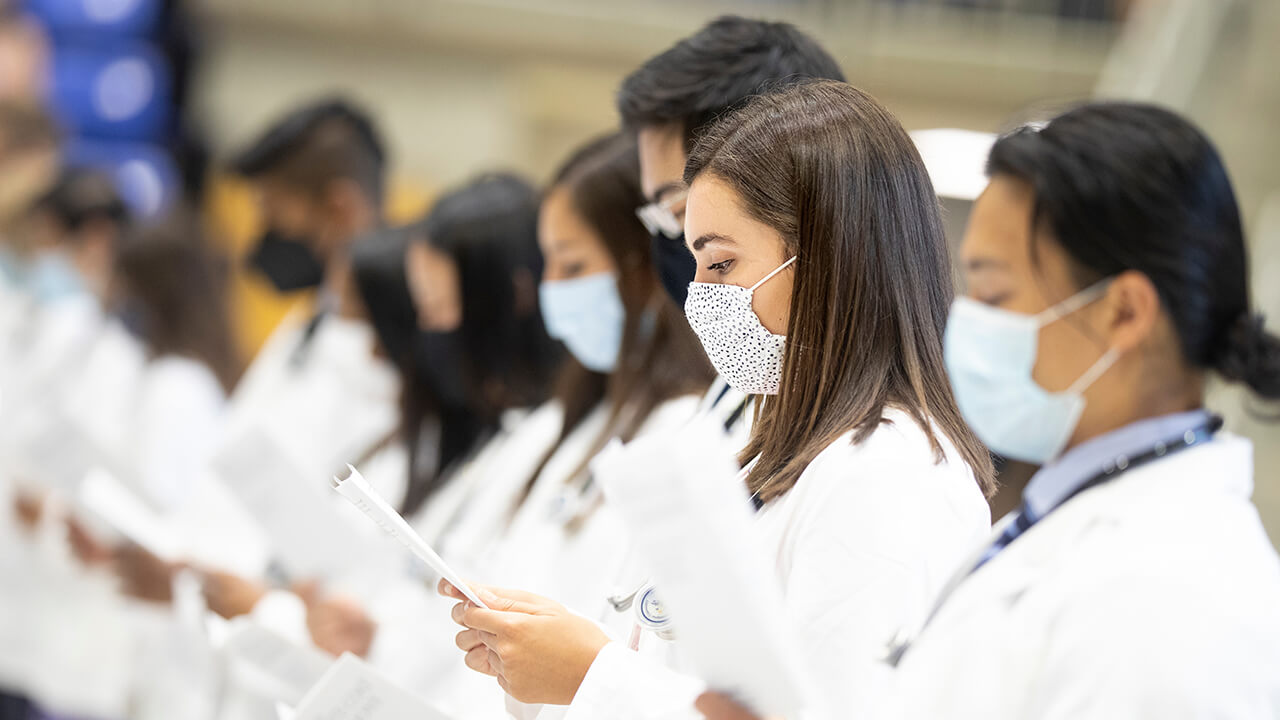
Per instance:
(357,490)
(690,517)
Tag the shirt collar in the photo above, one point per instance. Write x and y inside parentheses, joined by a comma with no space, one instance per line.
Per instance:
(1058,480)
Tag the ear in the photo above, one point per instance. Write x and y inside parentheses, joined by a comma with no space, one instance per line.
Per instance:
(1133,309)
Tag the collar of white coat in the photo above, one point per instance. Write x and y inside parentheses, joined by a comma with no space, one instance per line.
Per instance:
(1060,479)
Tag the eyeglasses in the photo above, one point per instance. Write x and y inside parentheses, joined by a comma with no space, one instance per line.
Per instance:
(658,217)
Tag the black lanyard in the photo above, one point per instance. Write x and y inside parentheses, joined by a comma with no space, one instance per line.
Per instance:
(1113,469)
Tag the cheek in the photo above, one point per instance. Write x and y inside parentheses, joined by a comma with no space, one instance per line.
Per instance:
(1062,355)
(772,303)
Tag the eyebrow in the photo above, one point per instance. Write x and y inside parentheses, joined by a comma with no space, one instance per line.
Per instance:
(665,188)
(984,263)
(710,238)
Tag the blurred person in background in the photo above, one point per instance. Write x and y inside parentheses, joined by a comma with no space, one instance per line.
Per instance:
(670,101)
(472,324)
(170,291)
(28,167)
(318,391)
(67,360)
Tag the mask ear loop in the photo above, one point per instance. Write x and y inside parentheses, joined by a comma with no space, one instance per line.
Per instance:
(1089,295)
(1085,297)
(1094,372)
(776,270)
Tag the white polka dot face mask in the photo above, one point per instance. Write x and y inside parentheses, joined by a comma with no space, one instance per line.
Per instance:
(743,351)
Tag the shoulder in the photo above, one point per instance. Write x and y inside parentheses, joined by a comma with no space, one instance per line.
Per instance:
(670,413)
(172,377)
(895,475)
(898,454)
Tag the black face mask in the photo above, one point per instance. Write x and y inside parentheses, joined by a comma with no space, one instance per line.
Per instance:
(438,359)
(675,265)
(287,261)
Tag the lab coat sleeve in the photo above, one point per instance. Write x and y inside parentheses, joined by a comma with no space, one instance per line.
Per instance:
(284,613)
(1144,647)
(626,685)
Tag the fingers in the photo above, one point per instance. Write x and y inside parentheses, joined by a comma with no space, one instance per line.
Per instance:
(478,618)
(497,598)
(468,640)
(715,706)
(478,659)
(446,588)
(513,600)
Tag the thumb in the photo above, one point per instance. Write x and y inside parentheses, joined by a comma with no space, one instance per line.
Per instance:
(506,600)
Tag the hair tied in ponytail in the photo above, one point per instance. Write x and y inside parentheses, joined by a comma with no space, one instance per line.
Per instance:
(1251,355)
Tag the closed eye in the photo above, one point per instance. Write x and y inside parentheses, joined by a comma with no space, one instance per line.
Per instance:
(721,267)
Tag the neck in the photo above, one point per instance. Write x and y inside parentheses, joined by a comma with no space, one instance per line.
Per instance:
(1187,393)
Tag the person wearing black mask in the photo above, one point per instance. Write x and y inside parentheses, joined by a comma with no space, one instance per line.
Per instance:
(320,391)
(318,176)
(670,101)
(676,95)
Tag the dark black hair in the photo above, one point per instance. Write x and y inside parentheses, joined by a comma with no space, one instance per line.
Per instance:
(1126,186)
(317,143)
(79,196)
(489,228)
(716,70)
(500,358)
(428,364)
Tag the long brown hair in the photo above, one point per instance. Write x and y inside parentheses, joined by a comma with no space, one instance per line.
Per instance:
(172,288)
(660,358)
(835,174)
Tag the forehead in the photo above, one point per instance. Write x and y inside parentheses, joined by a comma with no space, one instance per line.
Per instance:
(559,223)
(662,157)
(1000,223)
(716,209)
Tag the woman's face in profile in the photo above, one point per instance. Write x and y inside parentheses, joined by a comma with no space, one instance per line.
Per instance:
(731,247)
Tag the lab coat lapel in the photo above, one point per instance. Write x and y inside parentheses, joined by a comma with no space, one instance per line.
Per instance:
(1223,466)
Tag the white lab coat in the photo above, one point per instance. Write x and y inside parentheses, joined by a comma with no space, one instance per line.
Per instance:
(863,542)
(414,642)
(323,411)
(1156,595)
(531,550)
(176,424)
(323,407)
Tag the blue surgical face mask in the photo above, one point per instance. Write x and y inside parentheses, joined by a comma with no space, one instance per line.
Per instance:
(52,276)
(587,315)
(990,354)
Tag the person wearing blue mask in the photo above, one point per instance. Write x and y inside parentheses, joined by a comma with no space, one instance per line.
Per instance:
(1107,280)
(634,364)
